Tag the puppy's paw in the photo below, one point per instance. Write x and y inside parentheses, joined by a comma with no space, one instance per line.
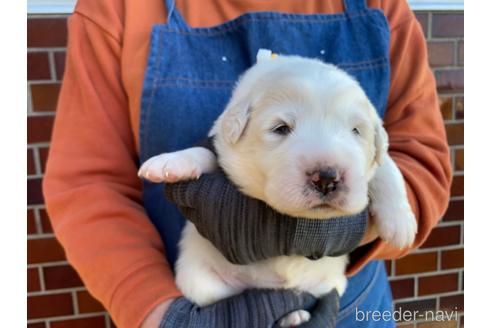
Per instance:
(295,318)
(170,168)
(395,223)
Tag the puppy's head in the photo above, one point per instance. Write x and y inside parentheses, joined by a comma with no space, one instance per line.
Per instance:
(302,136)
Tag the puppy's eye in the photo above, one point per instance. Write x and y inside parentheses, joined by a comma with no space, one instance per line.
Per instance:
(356,131)
(282,129)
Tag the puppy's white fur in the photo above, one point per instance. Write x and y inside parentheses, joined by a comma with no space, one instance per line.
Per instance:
(333,124)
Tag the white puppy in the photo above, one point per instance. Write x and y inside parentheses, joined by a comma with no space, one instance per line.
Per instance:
(302,136)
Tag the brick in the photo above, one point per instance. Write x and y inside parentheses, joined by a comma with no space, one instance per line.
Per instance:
(43,157)
(415,263)
(93,322)
(461,53)
(455,211)
(443,236)
(31,223)
(60,64)
(441,53)
(438,324)
(458,185)
(460,108)
(459,159)
(438,284)
(453,259)
(446,105)
(45,221)
(423,19)
(38,66)
(420,305)
(44,250)
(450,80)
(87,303)
(46,32)
(49,305)
(36,325)
(45,97)
(447,25)
(62,276)
(402,288)
(452,303)
(33,283)
(454,133)
(34,191)
(39,128)
(31,167)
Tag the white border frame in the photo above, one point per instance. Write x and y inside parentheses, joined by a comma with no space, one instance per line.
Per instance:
(66,6)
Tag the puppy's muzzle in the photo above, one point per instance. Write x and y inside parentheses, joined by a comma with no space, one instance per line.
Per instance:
(325,181)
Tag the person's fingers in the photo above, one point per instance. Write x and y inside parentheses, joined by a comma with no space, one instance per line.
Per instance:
(187,193)
(190,213)
(290,301)
(325,312)
(256,308)
(183,193)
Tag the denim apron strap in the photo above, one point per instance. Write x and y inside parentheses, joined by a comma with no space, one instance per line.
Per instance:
(352,6)
(174,17)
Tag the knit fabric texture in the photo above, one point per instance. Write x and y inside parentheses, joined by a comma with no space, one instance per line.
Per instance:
(247,230)
(253,308)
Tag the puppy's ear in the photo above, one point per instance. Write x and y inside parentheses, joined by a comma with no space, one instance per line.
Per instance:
(233,121)
(380,141)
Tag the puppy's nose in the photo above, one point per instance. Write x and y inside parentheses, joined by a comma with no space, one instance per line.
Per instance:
(325,181)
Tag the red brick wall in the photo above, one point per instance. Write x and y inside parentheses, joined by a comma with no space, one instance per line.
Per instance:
(56,296)
(430,278)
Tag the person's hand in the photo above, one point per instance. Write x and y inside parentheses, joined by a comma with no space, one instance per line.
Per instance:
(253,308)
(154,318)
(247,230)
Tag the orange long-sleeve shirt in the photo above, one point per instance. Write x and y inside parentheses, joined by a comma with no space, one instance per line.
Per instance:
(92,192)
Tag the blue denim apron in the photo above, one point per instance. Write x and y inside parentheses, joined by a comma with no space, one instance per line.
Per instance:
(189,79)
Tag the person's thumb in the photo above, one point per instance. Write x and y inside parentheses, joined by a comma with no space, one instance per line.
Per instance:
(183,193)
(324,314)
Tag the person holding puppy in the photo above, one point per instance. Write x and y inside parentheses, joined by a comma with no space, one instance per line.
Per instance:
(121,235)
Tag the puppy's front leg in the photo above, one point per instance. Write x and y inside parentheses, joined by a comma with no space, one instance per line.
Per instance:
(180,165)
(393,216)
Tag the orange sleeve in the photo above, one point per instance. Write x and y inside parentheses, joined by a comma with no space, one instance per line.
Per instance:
(91,188)
(417,136)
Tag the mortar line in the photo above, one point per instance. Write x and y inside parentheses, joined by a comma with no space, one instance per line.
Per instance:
(51,60)
(37,222)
